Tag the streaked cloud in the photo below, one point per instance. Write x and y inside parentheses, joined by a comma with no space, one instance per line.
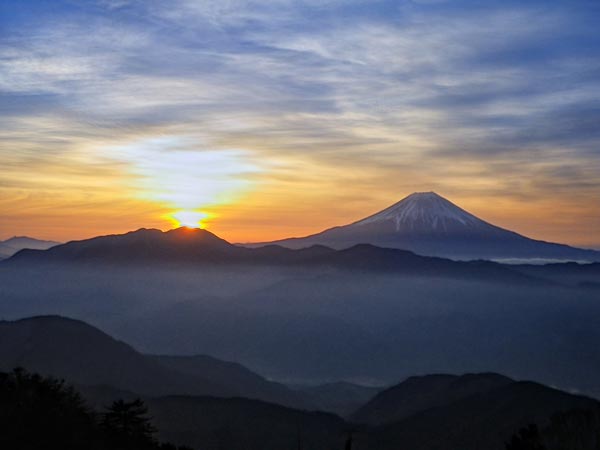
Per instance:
(336,106)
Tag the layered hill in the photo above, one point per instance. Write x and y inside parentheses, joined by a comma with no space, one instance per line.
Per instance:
(82,354)
(434,412)
(240,424)
(428,224)
(486,419)
(472,411)
(341,397)
(195,246)
(15,244)
(417,394)
(239,380)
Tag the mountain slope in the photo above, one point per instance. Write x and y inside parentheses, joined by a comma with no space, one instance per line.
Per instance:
(181,244)
(417,394)
(239,424)
(484,418)
(340,397)
(84,355)
(13,245)
(482,421)
(428,224)
(195,246)
(240,380)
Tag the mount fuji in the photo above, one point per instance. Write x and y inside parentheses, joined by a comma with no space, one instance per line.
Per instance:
(428,224)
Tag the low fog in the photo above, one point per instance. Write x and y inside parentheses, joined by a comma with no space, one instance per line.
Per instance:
(303,325)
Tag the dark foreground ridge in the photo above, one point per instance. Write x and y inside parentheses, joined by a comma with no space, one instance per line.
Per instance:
(434,412)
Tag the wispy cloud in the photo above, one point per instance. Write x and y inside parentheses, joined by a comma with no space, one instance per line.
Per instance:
(351,104)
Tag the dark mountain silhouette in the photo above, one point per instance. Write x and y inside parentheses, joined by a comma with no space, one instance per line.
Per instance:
(84,355)
(480,418)
(241,381)
(485,420)
(417,394)
(11,246)
(182,244)
(340,397)
(424,413)
(196,246)
(428,224)
(239,424)
(38,412)
(213,423)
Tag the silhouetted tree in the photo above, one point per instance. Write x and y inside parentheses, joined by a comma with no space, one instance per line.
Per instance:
(577,429)
(36,412)
(128,422)
(44,413)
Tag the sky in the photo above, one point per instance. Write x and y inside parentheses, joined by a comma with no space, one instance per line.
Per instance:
(271,119)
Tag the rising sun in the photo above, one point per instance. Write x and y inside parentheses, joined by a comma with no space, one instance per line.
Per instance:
(189,219)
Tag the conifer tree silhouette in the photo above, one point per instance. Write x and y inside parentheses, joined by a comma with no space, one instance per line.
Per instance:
(129,422)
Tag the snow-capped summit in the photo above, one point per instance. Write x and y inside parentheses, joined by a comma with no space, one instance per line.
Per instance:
(428,224)
(422,211)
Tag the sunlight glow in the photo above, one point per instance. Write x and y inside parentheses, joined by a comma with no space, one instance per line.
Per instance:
(182,176)
(189,219)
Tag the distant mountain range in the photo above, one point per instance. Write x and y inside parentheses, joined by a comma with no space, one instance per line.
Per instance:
(428,224)
(432,412)
(309,315)
(424,223)
(13,245)
(192,246)
(196,246)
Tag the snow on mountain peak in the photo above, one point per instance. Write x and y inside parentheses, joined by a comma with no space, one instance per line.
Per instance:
(424,211)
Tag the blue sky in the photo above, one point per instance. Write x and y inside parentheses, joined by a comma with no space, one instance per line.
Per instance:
(335,106)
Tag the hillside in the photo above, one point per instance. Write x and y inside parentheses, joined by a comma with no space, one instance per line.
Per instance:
(481,421)
(417,394)
(84,355)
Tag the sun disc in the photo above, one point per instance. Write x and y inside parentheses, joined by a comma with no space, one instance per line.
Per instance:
(189,219)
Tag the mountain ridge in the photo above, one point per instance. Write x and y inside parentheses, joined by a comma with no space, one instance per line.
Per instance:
(420,393)
(15,244)
(484,420)
(430,225)
(197,246)
(95,358)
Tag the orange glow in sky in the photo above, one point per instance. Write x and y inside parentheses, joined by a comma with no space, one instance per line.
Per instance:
(189,219)
(263,122)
